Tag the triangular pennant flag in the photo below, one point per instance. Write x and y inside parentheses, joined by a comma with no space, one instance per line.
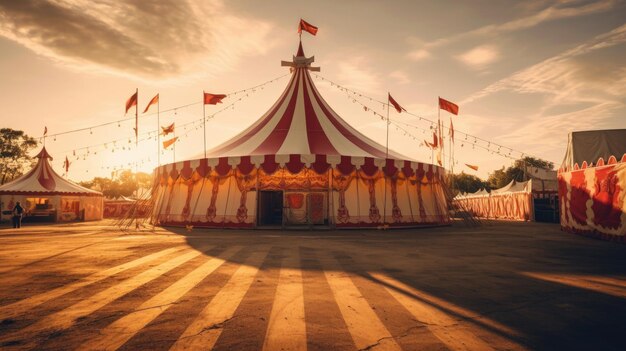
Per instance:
(168,129)
(395,104)
(451,130)
(132,101)
(472,167)
(168,143)
(154,100)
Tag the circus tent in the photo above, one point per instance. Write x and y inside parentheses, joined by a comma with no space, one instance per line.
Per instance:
(513,201)
(592,184)
(44,193)
(300,164)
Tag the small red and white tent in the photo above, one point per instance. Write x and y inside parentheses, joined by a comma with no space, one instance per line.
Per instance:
(300,164)
(592,184)
(44,193)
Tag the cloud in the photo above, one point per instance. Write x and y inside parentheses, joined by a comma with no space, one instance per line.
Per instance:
(576,91)
(356,73)
(560,75)
(480,56)
(146,39)
(560,10)
(400,77)
(418,54)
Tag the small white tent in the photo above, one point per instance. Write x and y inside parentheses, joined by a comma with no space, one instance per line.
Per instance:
(44,193)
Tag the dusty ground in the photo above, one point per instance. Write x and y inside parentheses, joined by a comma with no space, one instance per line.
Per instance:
(502,286)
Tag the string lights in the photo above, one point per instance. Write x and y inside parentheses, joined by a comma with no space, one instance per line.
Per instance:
(487,145)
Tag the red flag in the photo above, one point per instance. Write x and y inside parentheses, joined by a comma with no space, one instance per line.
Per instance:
(45,131)
(435,144)
(451,133)
(167,143)
(132,101)
(440,133)
(168,129)
(213,99)
(395,104)
(448,106)
(307,27)
(154,100)
(66,164)
(472,167)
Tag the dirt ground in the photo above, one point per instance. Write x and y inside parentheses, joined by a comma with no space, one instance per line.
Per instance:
(502,286)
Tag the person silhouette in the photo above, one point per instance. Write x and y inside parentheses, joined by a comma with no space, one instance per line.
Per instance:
(18,211)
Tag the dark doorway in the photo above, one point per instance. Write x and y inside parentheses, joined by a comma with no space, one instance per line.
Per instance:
(271,208)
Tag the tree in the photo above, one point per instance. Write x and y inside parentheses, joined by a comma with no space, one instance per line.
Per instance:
(517,171)
(14,148)
(466,183)
(124,184)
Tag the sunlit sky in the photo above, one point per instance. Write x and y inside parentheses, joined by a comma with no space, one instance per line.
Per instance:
(525,73)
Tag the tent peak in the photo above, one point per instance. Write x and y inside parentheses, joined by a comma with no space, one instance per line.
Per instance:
(300,50)
(43,154)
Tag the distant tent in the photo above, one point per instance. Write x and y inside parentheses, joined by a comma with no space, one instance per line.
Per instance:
(592,184)
(45,194)
(513,201)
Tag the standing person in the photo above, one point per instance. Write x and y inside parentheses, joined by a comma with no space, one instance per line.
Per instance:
(18,210)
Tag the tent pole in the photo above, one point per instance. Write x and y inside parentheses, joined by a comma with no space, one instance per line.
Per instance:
(158,133)
(385,175)
(204,122)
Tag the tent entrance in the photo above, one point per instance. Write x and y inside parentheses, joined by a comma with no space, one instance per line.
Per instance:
(270,208)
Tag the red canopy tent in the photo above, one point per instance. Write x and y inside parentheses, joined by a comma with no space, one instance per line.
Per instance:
(300,164)
(592,184)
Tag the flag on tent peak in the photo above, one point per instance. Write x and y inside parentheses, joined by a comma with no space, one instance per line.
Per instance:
(45,130)
(448,106)
(395,104)
(304,25)
(213,99)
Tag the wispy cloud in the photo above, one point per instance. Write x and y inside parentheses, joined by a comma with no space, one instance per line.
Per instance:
(145,39)
(561,10)
(400,77)
(356,73)
(559,75)
(479,57)
(575,94)
(418,54)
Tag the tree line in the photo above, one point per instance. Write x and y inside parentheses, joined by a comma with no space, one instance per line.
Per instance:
(468,183)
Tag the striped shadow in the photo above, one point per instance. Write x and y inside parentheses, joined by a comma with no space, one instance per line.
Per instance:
(365,327)
(122,330)
(66,318)
(287,327)
(22,306)
(204,331)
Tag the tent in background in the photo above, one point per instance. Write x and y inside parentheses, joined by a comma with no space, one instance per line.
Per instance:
(46,195)
(513,201)
(592,184)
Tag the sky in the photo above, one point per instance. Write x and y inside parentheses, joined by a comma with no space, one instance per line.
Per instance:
(524,73)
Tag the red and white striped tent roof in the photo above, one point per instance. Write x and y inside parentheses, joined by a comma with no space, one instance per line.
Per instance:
(302,122)
(43,180)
